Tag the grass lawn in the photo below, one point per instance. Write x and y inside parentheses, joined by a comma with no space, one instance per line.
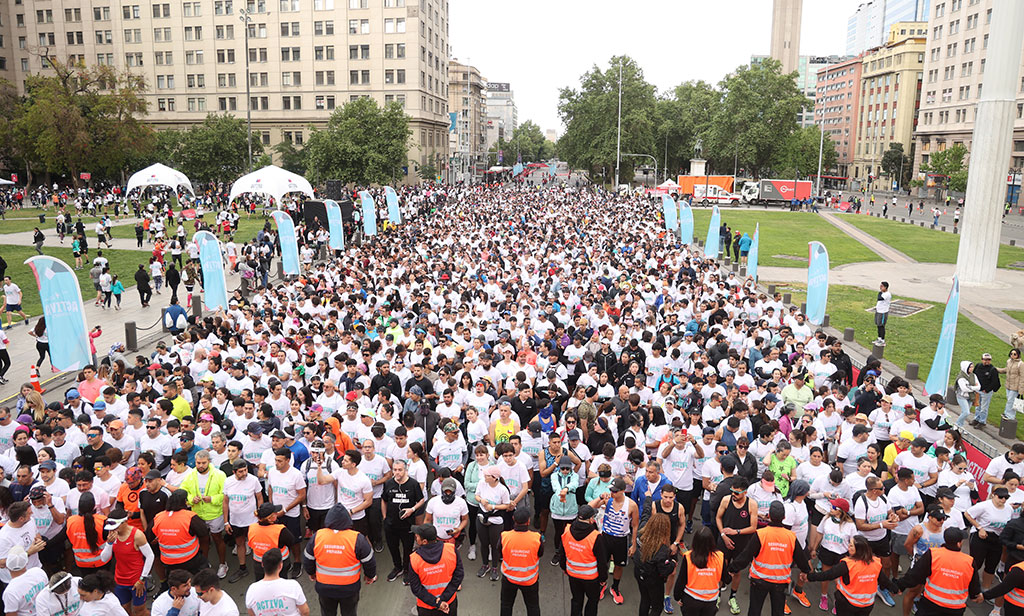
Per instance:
(787,233)
(247,227)
(921,244)
(25,220)
(123,263)
(1015,314)
(913,338)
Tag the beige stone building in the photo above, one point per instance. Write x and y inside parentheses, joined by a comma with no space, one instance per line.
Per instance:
(785,44)
(954,69)
(467,99)
(306,58)
(890,90)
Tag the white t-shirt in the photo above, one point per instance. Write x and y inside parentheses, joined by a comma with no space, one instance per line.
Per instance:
(798,520)
(241,497)
(352,489)
(515,476)
(961,493)
(908,499)
(836,537)
(107,606)
(374,470)
(275,598)
(321,496)
(447,517)
(990,518)
(285,488)
(498,495)
(872,513)
(12,293)
(20,595)
(678,466)
(922,467)
(850,451)
(165,601)
(224,607)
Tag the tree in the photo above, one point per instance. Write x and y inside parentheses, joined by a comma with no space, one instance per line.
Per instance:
(428,172)
(362,144)
(896,164)
(526,141)
(948,166)
(216,149)
(682,118)
(292,159)
(590,118)
(799,153)
(757,113)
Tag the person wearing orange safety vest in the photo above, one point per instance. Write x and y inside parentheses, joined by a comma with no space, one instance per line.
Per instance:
(701,576)
(858,575)
(177,531)
(266,534)
(583,558)
(948,576)
(521,551)
(435,573)
(771,554)
(85,533)
(1011,589)
(334,558)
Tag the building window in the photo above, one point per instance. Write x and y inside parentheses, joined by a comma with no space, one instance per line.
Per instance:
(289,6)
(358,4)
(257,30)
(162,35)
(325,102)
(290,54)
(257,54)
(291,78)
(73,15)
(163,58)
(392,4)
(195,80)
(290,28)
(323,5)
(131,11)
(197,103)
(225,33)
(323,28)
(99,13)
(133,59)
(324,78)
(76,38)
(223,7)
(133,35)
(291,103)
(193,57)
(227,103)
(226,80)
(394,26)
(191,9)
(161,11)
(104,37)
(324,52)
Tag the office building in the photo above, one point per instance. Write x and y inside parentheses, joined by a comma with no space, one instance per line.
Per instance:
(869,25)
(890,91)
(837,105)
(785,43)
(466,100)
(306,58)
(954,69)
(502,114)
(807,70)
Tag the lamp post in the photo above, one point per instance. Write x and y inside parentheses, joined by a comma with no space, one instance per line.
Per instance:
(246,18)
(652,158)
(618,132)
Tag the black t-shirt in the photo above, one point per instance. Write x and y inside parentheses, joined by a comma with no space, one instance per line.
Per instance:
(91,455)
(400,496)
(151,504)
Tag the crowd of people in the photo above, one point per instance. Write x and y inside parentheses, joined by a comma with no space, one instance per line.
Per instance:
(523,378)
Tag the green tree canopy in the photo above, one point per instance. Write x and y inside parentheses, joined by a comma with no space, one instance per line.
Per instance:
(590,117)
(362,144)
(526,141)
(292,158)
(681,119)
(895,161)
(215,149)
(949,163)
(799,153)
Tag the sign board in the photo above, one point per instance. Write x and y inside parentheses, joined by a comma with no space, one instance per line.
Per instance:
(14,177)
(498,87)
(85,176)
(977,462)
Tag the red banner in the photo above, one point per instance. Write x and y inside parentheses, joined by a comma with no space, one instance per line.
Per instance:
(977,462)
(14,178)
(85,175)
(188,214)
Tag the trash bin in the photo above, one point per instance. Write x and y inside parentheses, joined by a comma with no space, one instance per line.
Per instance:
(42,218)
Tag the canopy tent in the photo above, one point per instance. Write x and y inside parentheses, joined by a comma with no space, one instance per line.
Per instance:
(271,180)
(6,182)
(669,184)
(158,175)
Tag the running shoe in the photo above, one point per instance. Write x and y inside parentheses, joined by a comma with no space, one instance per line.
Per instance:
(668,605)
(801,597)
(886,598)
(734,605)
(823,604)
(616,596)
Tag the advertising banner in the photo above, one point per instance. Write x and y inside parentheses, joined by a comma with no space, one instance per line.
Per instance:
(752,255)
(938,374)
(685,223)
(215,287)
(289,244)
(671,214)
(817,282)
(65,315)
(394,214)
(369,213)
(335,225)
(711,243)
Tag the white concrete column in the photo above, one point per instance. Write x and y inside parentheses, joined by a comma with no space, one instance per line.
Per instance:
(698,165)
(990,146)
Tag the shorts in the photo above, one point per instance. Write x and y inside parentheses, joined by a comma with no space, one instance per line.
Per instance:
(740,541)
(292,524)
(816,516)
(126,595)
(316,519)
(986,552)
(881,318)
(76,254)
(883,547)
(830,558)
(240,531)
(618,549)
(17,307)
(96,286)
(216,525)
(743,253)
(897,545)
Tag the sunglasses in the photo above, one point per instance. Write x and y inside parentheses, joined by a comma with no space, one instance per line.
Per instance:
(741,446)
(738,492)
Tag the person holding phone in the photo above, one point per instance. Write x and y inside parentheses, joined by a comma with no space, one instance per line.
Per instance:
(133,560)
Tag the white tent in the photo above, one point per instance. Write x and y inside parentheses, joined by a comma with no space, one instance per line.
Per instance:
(6,182)
(158,175)
(668,184)
(273,181)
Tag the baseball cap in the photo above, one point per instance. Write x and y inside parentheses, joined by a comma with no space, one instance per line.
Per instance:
(17,558)
(48,464)
(187,435)
(99,405)
(153,474)
(573,435)
(36,493)
(617,485)
(859,429)
(534,428)
(268,509)
(937,513)
(427,532)
(449,485)
(907,435)
(239,463)
(586,512)
(840,503)
(919,442)
(117,424)
(771,398)
(565,462)
(116,518)
(254,427)
(277,434)
(986,356)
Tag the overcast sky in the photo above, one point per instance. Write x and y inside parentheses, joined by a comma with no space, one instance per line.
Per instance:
(540,46)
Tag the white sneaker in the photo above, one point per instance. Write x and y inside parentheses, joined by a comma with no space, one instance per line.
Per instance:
(472,553)
(995,612)
(222,571)
(234,549)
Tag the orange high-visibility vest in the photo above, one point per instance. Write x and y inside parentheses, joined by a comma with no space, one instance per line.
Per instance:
(1015,596)
(435,576)
(519,560)
(860,592)
(177,544)
(86,557)
(951,575)
(702,583)
(265,537)
(336,560)
(775,560)
(580,561)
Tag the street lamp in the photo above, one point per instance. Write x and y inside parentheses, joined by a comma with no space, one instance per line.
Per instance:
(652,158)
(246,18)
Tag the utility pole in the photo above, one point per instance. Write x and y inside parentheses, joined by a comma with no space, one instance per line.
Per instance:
(246,20)
(618,132)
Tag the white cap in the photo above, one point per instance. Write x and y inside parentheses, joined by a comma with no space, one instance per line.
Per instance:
(17,558)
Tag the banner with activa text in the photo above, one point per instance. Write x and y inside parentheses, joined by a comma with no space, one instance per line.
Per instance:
(938,374)
(977,462)
(369,213)
(289,244)
(712,240)
(394,214)
(215,287)
(334,225)
(668,205)
(65,315)
(817,282)
(685,223)
(755,247)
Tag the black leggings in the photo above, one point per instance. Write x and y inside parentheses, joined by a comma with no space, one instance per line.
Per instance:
(844,608)
(489,536)
(651,595)
(695,607)
(472,524)
(44,349)
(559,530)
(5,362)
(760,590)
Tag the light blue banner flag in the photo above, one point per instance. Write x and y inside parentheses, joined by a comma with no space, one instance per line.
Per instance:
(394,214)
(711,244)
(215,287)
(335,225)
(65,316)
(671,213)
(685,223)
(553,169)
(369,213)
(289,244)
(817,282)
(752,254)
(517,169)
(938,374)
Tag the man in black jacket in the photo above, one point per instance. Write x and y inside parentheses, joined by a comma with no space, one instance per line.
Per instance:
(988,378)
(844,367)
(385,378)
(582,588)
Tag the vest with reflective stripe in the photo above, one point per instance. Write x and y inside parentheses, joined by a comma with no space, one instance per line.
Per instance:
(519,560)
(176,543)
(435,576)
(1015,596)
(775,560)
(860,592)
(702,583)
(580,561)
(263,538)
(336,560)
(86,557)
(951,575)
